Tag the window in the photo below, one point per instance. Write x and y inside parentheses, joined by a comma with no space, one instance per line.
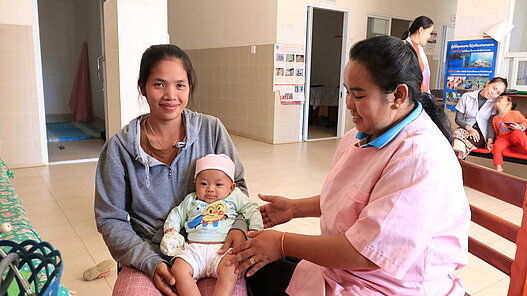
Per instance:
(386,26)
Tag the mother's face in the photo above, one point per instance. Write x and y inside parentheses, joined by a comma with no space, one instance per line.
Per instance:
(492,90)
(372,111)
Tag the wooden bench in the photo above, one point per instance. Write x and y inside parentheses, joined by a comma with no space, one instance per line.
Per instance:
(510,155)
(512,190)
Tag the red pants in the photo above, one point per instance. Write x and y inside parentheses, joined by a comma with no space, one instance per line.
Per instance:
(516,138)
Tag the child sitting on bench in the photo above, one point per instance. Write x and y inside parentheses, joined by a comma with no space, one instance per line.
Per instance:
(509,126)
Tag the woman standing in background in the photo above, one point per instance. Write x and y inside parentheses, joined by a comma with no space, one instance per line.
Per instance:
(418,35)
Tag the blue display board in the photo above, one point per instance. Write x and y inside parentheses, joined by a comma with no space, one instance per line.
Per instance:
(469,65)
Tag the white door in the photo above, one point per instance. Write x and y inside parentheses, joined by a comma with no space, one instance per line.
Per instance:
(326,57)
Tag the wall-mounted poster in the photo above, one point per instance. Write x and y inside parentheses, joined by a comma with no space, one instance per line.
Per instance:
(469,65)
(288,76)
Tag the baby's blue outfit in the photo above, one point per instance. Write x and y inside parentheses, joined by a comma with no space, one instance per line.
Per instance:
(211,222)
(206,223)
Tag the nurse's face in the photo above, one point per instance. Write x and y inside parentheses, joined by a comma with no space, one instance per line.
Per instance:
(372,110)
(424,34)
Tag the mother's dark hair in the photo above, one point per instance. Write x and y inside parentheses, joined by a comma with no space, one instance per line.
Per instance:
(155,54)
(420,21)
(391,62)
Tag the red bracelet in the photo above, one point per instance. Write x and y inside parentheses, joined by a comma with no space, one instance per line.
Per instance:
(282,243)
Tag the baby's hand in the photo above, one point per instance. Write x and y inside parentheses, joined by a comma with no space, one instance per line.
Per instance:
(172,243)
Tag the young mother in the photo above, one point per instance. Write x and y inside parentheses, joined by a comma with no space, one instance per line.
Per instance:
(147,168)
(474,114)
(394,217)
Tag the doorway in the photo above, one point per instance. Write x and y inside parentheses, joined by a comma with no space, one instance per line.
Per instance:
(325,61)
(71,44)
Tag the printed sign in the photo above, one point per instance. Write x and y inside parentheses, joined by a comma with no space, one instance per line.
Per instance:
(469,65)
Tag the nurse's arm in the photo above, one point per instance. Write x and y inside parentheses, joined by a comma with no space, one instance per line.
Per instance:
(332,251)
(306,207)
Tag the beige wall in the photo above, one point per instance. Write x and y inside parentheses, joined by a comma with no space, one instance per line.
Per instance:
(214,24)
(21,99)
(16,12)
(235,85)
(486,15)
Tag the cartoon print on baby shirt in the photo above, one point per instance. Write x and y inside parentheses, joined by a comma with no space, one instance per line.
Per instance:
(212,214)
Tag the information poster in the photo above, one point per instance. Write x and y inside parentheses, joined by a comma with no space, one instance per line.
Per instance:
(469,65)
(288,77)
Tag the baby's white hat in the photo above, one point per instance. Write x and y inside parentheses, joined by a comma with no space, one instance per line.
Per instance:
(215,162)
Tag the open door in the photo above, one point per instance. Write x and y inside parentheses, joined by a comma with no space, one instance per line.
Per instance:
(324,108)
(72,47)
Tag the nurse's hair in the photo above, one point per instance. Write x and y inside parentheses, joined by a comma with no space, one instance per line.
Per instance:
(392,62)
(420,21)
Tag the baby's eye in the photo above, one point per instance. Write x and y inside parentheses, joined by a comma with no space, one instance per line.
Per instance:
(219,184)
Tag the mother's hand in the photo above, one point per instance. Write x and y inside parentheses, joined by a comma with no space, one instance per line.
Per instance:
(263,248)
(164,280)
(473,133)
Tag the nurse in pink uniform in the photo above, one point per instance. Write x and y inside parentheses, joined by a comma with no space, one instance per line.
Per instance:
(394,217)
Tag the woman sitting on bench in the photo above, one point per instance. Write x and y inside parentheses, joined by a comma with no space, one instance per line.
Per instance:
(474,117)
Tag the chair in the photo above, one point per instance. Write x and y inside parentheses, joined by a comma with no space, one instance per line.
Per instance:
(512,190)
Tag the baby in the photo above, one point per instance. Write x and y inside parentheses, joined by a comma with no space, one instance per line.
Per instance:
(207,216)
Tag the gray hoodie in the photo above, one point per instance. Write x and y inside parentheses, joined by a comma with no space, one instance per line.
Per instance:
(135,192)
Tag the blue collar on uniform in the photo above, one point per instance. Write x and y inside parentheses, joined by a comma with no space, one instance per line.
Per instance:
(390,134)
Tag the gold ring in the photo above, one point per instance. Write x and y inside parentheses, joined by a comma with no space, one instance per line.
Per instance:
(251,260)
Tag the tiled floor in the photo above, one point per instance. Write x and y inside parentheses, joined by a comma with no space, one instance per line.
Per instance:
(70,150)
(59,202)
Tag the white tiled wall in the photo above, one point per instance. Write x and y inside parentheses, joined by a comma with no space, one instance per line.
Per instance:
(19,127)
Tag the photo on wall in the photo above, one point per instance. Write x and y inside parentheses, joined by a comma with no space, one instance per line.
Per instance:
(481,59)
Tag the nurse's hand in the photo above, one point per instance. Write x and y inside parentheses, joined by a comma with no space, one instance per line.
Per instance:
(473,133)
(277,211)
(263,248)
